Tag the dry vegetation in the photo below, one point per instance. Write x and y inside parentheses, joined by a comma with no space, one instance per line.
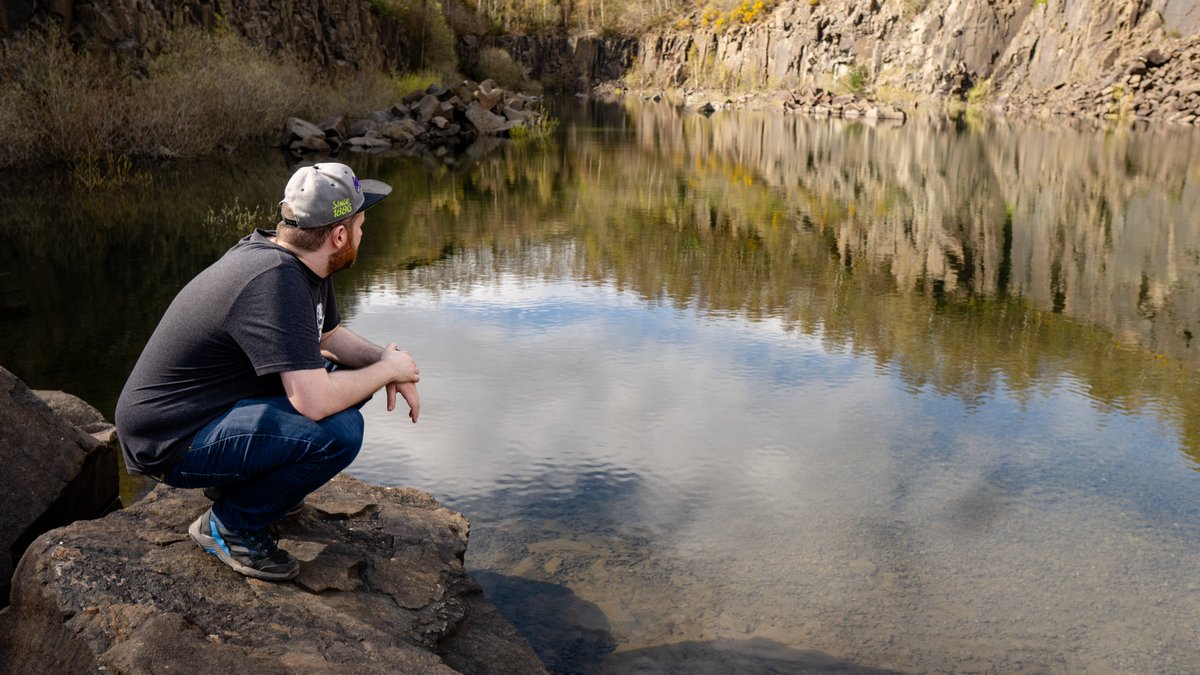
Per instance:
(203,92)
(603,17)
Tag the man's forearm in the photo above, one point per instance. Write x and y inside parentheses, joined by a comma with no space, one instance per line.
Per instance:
(317,394)
(350,349)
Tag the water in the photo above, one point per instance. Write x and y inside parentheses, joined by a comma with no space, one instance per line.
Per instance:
(745,393)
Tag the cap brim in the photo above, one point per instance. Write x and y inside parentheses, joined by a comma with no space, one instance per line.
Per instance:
(373,192)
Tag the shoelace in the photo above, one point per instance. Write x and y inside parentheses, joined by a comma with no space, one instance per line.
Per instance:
(263,543)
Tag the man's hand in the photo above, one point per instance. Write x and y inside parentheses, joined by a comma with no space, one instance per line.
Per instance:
(402,364)
(408,390)
(406,382)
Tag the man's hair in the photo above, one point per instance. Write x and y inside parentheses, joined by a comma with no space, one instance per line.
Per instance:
(305,238)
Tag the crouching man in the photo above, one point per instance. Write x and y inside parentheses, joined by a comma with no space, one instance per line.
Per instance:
(232,391)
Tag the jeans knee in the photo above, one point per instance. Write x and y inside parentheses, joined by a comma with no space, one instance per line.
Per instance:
(346,432)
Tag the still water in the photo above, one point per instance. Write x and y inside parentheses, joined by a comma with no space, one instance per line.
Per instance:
(747,393)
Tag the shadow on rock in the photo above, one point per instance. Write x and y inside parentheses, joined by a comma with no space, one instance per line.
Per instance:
(758,656)
(569,634)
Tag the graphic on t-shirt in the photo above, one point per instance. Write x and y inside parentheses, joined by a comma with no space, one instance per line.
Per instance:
(320,319)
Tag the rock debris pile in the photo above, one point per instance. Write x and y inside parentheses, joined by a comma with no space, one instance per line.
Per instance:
(438,119)
(1157,84)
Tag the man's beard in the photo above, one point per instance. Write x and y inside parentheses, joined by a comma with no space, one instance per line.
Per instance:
(343,258)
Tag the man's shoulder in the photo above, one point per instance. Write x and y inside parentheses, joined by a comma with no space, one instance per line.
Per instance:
(255,255)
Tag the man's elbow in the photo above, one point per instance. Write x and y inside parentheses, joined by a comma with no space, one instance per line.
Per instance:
(309,406)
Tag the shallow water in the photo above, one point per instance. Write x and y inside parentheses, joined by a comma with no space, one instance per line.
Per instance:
(749,393)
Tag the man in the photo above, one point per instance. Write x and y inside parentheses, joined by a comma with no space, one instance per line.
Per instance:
(232,391)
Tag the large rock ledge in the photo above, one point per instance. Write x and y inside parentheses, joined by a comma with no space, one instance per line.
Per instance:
(59,463)
(382,589)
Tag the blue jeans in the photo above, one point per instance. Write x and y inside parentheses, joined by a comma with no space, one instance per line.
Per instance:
(266,458)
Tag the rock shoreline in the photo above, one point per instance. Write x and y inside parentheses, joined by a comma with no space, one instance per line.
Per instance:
(382,589)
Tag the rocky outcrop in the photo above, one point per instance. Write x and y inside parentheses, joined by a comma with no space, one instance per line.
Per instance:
(1070,57)
(1123,58)
(437,118)
(560,62)
(381,589)
(335,34)
(54,473)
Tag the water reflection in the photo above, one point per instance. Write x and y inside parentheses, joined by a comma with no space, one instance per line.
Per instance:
(751,389)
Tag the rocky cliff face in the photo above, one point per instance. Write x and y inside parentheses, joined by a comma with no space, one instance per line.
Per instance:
(1133,57)
(337,34)
(567,64)
(1136,58)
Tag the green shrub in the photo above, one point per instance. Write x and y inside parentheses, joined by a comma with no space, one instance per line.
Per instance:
(856,81)
(979,92)
(499,65)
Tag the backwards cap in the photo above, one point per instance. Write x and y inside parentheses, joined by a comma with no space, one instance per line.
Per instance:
(324,193)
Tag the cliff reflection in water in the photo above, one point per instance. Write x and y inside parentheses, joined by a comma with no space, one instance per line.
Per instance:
(960,254)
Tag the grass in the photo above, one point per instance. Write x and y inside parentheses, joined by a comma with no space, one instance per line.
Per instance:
(236,218)
(407,83)
(93,172)
(540,132)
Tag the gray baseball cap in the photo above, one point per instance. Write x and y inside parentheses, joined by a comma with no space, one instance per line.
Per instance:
(327,192)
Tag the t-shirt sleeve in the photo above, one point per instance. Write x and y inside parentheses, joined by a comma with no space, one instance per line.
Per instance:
(332,316)
(274,321)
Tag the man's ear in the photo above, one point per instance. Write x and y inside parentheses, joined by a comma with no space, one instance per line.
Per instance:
(339,235)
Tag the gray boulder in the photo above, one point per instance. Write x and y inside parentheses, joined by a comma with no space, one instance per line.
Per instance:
(297,129)
(487,123)
(371,141)
(382,589)
(74,410)
(428,107)
(53,474)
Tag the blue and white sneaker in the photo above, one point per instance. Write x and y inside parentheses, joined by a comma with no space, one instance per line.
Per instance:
(253,554)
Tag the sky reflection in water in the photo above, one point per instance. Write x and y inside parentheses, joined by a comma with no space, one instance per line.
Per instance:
(748,481)
(701,411)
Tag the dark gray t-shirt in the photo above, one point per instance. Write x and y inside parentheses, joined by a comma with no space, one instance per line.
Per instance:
(256,312)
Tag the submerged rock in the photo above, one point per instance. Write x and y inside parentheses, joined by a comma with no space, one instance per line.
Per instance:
(381,589)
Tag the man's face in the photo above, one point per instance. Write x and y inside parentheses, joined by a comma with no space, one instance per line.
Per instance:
(345,256)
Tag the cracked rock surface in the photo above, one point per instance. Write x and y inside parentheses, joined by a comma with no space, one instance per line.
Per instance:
(381,589)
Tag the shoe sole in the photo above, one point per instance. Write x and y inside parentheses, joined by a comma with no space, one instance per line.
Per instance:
(210,545)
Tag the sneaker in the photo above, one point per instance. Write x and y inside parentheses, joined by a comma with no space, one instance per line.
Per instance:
(214,493)
(252,554)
